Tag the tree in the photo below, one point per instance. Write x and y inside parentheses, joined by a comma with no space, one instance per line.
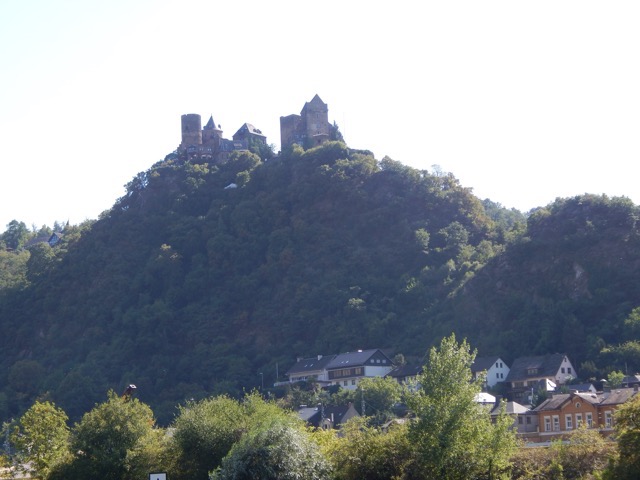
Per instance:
(204,432)
(627,428)
(276,451)
(41,439)
(379,395)
(15,235)
(363,451)
(116,440)
(453,435)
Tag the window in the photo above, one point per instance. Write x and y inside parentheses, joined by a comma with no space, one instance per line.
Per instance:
(353,382)
(608,420)
(532,371)
(578,420)
(345,383)
(556,423)
(569,370)
(578,404)
(502,375)
(519,420)
(528,420)
(562,370)
(568,422)
(497,375)
(547,424)
(497,364)
(589,420)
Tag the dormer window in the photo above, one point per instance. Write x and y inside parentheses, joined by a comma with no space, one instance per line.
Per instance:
(532,371)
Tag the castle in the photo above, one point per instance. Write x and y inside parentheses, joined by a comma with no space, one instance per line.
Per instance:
(206,144)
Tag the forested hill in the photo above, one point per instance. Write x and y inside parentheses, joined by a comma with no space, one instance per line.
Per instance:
(205,279)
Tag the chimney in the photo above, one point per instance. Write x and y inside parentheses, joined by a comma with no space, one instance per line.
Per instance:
(319,357)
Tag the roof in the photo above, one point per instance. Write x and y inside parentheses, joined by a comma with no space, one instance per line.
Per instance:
(357,358)
(313,415)
(556,401)
(546,365)
(312,364)
(248,128)
(484,397)
(582,387)
(617,396)
(481,364)
(405,371)
(511,408)
(211,125)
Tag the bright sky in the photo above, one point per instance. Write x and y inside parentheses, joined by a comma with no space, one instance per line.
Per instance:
(523,102)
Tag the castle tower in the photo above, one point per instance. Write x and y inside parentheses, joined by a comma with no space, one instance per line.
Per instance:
(191,130)
(310,128)
(315,116)
(210,132)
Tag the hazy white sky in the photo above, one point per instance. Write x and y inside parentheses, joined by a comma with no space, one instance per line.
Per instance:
(522,101)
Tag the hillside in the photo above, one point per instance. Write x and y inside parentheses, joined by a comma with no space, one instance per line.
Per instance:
(188,286)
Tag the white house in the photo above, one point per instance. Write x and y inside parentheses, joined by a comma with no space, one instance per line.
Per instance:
(495,369)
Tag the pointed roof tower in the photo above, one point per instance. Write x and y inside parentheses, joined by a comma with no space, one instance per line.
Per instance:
(211,125)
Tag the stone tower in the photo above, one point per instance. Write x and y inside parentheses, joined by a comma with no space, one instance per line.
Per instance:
(191,130)
(310,128)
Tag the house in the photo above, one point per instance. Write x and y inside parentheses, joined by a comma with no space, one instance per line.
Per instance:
(545,372)
(493,368)
(525,420)
(347,369)
(610,402)
(327,417)
(582,388)
(313,368)
(52,240)
(565,412)
(630,381)
(405,374)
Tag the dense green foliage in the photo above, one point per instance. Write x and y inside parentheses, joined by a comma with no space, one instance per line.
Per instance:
(453,435)
(191,288)
(41,439)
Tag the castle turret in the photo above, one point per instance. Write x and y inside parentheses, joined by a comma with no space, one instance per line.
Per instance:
(191,130)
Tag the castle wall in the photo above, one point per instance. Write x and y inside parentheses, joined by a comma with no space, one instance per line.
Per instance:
(291,130)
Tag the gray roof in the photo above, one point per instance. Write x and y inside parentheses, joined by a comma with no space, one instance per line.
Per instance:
(358,358)
(511,408)
(405,371)
(312,364)
(481,364)
(547,366)
(617,396)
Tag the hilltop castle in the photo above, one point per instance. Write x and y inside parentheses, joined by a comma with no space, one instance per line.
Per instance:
(207,144)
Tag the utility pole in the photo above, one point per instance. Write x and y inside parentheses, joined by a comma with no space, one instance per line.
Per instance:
(362,404)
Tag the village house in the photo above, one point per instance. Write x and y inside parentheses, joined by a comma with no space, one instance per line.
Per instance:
(347,369)
(310,369)
(344,369)
(525,420)
(493,368)
(563,413)
(529,375)
(327,417)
